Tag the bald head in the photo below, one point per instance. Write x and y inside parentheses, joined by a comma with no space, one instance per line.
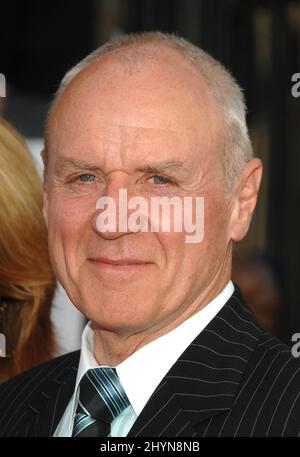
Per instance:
(115,102)
(133,52)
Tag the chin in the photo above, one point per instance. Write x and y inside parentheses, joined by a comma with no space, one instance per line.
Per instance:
(120,326)
(113,312)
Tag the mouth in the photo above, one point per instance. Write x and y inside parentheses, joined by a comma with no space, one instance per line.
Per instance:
(122,264)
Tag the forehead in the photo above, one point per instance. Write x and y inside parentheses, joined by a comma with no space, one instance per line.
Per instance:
(161,99)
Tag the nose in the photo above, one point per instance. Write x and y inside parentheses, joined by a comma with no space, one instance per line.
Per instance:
(110,220)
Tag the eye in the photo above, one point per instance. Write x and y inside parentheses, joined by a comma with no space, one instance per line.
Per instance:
(158,179)
(86,177)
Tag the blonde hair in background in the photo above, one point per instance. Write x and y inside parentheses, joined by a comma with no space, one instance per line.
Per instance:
(26,278)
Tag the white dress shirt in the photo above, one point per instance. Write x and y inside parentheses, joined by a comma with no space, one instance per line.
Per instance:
(141,373)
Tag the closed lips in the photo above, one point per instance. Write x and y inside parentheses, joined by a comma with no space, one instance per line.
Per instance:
(124,261)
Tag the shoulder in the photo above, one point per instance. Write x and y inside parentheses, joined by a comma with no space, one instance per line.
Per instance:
(33,402)
(270,389)
(274,356)
(32,379)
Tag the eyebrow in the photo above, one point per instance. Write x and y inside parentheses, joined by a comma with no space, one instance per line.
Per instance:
(63,163)
(162,167)
(155,167)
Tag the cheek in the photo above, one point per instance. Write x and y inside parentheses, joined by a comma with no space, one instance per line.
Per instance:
(201,257)
(68,213)
(216,220)
(181,259)
(70,221)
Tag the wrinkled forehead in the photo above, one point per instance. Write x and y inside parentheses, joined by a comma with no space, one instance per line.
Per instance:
(157,94)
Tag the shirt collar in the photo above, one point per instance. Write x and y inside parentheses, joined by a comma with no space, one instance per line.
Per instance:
(141,373)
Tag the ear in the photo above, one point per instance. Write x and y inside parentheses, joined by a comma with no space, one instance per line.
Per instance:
(43,156)
(45,204)
(245,198)
(45,192)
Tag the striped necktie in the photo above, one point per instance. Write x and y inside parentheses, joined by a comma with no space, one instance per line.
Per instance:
(101,399)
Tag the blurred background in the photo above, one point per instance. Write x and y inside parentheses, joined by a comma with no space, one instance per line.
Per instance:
(258,41)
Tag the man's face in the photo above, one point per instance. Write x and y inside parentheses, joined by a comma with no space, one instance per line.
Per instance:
(117,129)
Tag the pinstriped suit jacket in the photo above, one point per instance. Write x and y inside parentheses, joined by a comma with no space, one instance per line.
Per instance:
(234,380)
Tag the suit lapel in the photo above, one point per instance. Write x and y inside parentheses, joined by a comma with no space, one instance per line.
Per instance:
(205,379)
(47,403)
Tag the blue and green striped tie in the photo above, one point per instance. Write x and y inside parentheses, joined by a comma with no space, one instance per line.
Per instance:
(101,399)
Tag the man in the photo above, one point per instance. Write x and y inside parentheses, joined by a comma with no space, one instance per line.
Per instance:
(171,349)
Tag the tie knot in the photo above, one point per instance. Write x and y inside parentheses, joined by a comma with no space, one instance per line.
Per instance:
(102,395)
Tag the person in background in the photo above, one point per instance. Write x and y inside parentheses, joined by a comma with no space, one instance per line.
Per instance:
(27,283)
